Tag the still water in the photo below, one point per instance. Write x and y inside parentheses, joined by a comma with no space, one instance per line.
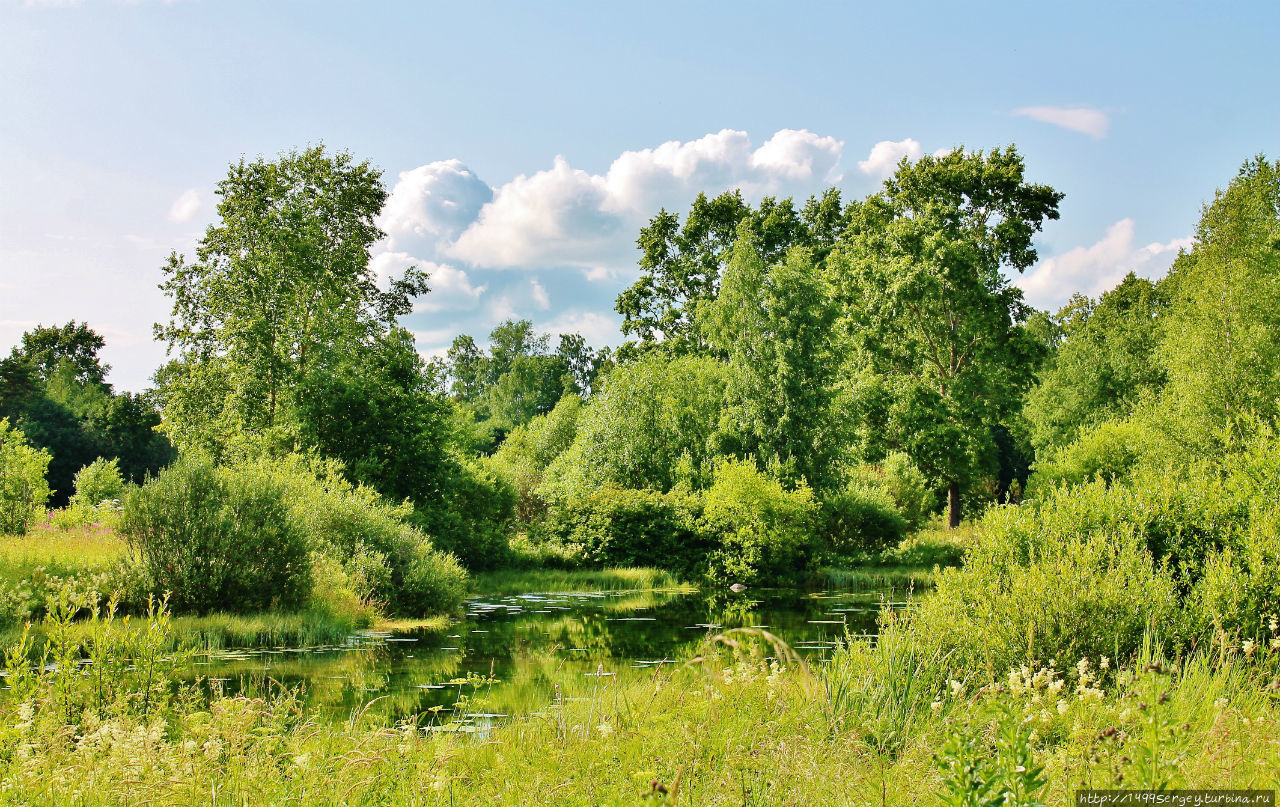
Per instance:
(508,654)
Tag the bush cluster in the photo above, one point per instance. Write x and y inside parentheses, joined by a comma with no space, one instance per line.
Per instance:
(283,535)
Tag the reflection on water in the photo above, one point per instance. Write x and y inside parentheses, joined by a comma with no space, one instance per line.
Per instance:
(508,654)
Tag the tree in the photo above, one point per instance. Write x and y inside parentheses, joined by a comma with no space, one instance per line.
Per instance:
(1222,343)
(774,324)
(931,318)
(681,264)
(280,287)
(1106,363)
(77,345)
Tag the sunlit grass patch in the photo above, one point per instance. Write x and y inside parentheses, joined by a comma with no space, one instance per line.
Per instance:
(60,551)
(522,581)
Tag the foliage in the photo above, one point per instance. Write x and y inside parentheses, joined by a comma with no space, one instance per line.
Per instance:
(98,482)
(861,519)
(932,319)
(655,423)
(217,539)
(1106,363)
(764,533)
(619,527)
(1110,451)
(681,263)
(280,288)
(23,489)
(524,456)
(774,321)
(51,387)
(1222,341)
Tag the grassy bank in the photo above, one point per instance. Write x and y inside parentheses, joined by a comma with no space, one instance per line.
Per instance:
(518,581)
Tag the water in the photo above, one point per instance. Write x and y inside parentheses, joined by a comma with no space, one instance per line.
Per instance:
(509,653)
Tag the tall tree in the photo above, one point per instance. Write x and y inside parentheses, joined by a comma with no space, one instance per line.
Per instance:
(280,287)
(1105,364)
(681,263)
(75,344)
(774,324)
(931,317)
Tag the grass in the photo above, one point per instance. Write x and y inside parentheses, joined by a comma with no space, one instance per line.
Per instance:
(520,581)
(726,730)
(58,551)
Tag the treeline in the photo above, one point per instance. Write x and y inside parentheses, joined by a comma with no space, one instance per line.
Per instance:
(802,384)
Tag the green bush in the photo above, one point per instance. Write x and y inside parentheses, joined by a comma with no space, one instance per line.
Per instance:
(384,562)
(218,539)
(861,519)
(523,458)
(472,518)
(620,527)
(1110,451)
(99,481)
(24,491)
(763,533)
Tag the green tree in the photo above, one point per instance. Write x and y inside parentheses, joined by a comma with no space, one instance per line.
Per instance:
(280,288)
(934,325)
(1106,363)
(1222,344)
(774,322)
(23,489)
(76,344)
(681,263)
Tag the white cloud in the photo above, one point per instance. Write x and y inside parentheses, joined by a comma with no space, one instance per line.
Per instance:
(597,328)
(1098,268)
(1083,119)
(432,203)
(539,293)
(886,155)
(186,206)
(451,287)
(569,217)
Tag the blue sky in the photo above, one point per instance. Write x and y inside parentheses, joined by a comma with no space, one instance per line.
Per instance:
(525,143)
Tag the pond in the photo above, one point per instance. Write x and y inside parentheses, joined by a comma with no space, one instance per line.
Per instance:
(509,653)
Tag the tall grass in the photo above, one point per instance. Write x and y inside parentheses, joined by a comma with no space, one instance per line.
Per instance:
(544,580)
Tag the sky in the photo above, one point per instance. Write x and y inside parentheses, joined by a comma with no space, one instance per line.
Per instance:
(525,144)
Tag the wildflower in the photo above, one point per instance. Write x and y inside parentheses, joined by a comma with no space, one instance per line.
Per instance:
(1274,624)
(302,760)
(605,730)
(1248,646)
(1105,663)
(1063,706)
(1220,703)
(1055,686)
(1275,643)
(957,688)
(936,706)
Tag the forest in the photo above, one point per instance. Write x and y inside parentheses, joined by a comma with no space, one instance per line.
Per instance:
(1075,514)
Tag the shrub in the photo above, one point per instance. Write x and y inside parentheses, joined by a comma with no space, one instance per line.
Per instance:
(763,533)
(861,519)
(99,481)
(472,518)
(523,458)
(384,562)
(23,487)
(1110,451)
(620,527)
(218,539)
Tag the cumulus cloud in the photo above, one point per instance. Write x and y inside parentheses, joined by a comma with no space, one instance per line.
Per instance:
(569,217)
(432,203)
(451,287)
(1098,268)
(186,206)
(886,155)
(1083,119)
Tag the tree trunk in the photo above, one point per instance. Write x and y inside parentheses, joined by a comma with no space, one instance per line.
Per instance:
(953,505)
